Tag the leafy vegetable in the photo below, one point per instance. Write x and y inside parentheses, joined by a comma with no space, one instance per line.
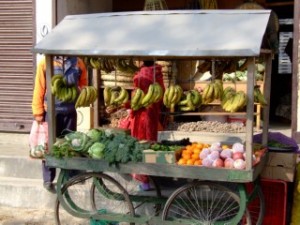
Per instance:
(77,140)
(95,134)
(96,150)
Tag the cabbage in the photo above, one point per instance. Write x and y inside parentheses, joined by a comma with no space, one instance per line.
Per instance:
(96,150)
(94,134)
(77,140)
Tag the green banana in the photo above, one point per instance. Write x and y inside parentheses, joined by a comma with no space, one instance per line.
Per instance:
(158,92)
(196,98)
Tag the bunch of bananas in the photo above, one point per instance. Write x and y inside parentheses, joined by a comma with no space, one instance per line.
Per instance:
(105,64)
(126,66)
(212,91)
(172,95)
(115,96)
(190,101)
(61,91)
(140,99)
(136,100)
(259,97)
(233,101)
(86,97)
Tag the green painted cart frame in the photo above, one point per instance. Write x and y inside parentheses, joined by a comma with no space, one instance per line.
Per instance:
(179,37)
(200,176)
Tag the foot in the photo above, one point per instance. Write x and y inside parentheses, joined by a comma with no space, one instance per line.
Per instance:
(49,186)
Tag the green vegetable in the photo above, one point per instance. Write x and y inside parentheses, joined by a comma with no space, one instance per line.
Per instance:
(77,140)
(95,134)
(96,150)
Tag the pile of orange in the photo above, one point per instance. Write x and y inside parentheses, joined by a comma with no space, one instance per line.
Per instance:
(190,154)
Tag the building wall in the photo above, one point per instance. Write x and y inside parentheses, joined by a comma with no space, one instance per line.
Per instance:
(71,7)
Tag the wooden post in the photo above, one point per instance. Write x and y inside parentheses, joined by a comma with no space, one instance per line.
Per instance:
(50,103)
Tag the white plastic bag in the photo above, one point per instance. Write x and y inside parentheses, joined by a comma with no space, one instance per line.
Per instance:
(38,139)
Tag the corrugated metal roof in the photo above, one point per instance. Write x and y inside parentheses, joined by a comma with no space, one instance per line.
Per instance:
(183,33)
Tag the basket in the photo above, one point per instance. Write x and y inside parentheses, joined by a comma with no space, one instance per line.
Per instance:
(275,196)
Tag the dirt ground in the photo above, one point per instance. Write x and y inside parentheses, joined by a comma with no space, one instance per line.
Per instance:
(17,216)
(21,216)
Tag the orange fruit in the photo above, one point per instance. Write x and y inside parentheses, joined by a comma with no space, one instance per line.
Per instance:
(196,150)
(198,162)
(195,156)
(190,162)
(186,156)
(181,161)
(200,145)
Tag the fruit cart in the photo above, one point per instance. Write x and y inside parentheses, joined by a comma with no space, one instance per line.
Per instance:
(210,195)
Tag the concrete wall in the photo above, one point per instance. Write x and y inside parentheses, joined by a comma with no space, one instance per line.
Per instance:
(71,7)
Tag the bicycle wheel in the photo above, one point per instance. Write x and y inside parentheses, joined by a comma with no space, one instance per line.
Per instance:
(256,203)
(205,203)
(144,202)
(76,199)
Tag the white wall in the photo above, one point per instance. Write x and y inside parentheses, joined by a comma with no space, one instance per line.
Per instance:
(44,19)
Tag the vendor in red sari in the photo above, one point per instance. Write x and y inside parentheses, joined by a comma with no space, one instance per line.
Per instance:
(145,122)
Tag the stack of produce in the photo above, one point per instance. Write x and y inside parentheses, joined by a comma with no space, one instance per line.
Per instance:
(114,98)
(218,155)
(172,95)
(113,147)
(87,96)
(190,101)
(140,99)
(61,90)
(233,101)
(259,97)
(207,126)
(212,91)
(66,93)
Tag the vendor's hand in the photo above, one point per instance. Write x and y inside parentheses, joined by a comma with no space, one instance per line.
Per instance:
(39,118)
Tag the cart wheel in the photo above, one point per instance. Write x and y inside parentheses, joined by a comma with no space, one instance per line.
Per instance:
(74,199)
(142,200)
(206,203)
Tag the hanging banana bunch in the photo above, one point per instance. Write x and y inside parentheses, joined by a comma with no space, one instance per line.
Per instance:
(212,91)
(87,96)
(172,96)
(190,101)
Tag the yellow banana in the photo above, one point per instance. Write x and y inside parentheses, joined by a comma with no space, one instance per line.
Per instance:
(122,94)
(94,95)
(165,98)
(147,100)
(158,92)
(106,95)
(171,93)
(137,98)
(81,98)
(88,96)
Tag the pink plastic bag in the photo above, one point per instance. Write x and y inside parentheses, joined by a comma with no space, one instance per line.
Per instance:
(38,139)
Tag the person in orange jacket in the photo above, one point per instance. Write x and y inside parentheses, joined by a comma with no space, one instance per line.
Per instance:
(75,72)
